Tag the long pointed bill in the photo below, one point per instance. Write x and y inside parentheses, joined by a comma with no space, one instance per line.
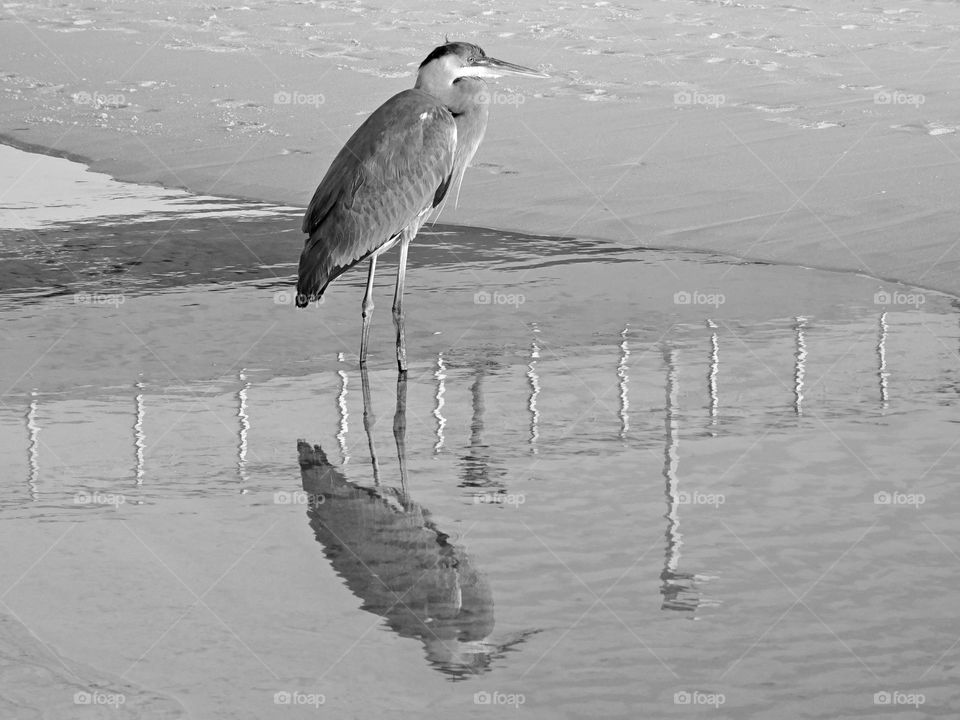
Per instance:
(489,67)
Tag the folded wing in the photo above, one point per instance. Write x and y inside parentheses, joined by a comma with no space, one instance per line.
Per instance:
(394,169)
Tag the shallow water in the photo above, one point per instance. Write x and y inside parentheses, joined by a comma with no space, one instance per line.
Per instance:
(629,481)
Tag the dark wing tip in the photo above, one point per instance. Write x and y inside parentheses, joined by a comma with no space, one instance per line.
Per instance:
(313,274)
(441,192)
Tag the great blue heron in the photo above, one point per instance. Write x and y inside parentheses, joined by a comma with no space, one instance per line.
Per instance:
(396,168)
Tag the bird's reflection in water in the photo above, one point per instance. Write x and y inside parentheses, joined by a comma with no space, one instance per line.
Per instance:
(393,556)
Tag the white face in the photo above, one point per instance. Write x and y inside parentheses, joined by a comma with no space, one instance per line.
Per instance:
(450,67)
(455,68)
(495,69)
(478,71)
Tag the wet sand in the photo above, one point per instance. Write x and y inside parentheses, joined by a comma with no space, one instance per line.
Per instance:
(823,136)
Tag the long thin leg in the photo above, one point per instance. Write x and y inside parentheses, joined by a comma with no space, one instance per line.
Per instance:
(400,429)
(369,421)
(398,303)
(367,311)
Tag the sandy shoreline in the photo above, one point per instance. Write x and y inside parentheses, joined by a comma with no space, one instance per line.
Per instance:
(796,161)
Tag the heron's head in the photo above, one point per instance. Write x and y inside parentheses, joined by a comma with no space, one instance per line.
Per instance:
(455,61)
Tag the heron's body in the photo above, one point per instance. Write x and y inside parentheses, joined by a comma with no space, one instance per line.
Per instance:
(384,182)
(394,171)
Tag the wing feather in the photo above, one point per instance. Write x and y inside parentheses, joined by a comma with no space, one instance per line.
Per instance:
(396,166)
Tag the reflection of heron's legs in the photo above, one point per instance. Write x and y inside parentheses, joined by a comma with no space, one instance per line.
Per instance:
(367,311)
(369,420)
(398,303)
(400,428)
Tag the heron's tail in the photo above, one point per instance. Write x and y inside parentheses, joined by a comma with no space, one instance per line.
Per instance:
(323,261)
(314,273)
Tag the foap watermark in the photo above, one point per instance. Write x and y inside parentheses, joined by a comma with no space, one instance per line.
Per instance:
(295,697)
(286,297)
(499,698)
(695,97)
(684,297)
(298,497)
(515,500)
(113,700)
(285,97)
(99,498)
(898,697)
(498,97)
(99,99)
(498,298)
(685,697)
(700,498)
(886,97)
(84,298)
(883,297)
(899,498)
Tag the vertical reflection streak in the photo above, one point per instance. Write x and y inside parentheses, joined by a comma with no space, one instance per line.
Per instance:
(244,425)
(712,373)
(678,588)
(671,461)
(440,375)
(533,380)
(800,367)
(623,374)
(882,360)
(139,436)
(480,468)
(33,446)
(343,425)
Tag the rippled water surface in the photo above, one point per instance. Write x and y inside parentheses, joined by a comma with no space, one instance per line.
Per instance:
(615,482)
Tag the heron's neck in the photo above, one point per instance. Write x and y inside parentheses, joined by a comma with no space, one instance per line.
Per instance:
(467,95)
(458,97)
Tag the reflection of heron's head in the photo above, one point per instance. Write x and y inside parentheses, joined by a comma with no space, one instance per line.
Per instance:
(459,659)
(463,658)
